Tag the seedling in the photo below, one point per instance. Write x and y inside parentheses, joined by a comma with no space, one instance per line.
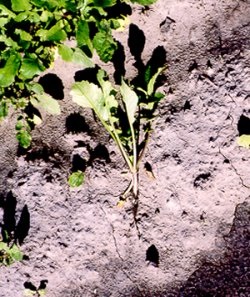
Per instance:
(9,253)
(127,113)
(32,291)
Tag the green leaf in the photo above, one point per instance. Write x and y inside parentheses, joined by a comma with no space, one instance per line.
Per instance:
(82,34)
(29,68)
(20,5)
(244,140)
(79,57)
(35,87)
(5,11)
(76,179)
(3,109)
(24,35)
(105,45)
(47,103)
(86,94)
(15,253)
(130,99)
(144,2)
(104,3)
(55,33)
(151,84)
(65,52)
(9,71)
(24,138)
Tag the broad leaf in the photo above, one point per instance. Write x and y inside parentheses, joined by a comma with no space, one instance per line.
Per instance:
(47,103)
(130,99)
(15,253)
(24,138)
(76,179)
(82,34)
(79,57)
(65,52)
(29,68)
(244,140)
(9,71)
(20,5)
(86,94)
(105,45)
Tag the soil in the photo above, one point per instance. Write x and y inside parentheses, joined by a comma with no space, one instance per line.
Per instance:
(194,203)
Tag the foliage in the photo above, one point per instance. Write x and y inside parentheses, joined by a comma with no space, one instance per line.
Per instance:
(127,113)
(76,179)
(32,32)
(9,253)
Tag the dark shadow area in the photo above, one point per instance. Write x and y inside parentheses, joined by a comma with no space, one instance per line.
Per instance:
(89,74)
(117,10)
(229,277)
(52,85)
(9,229)
(78,163)
(46,153)
(136,43)
(99,152)
(75,123)
(31,111)
(9,221)
(30,286)
(152,255)
(23,226)
(118,61)
(244,125)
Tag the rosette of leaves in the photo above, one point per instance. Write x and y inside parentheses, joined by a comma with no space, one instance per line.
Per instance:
(127,113)
(32,32)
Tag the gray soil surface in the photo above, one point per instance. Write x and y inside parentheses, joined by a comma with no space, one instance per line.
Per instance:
(194,210)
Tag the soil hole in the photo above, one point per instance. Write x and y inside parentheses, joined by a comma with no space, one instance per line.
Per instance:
(152,255)
(201,179)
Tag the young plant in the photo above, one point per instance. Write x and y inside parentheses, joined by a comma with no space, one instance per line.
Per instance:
(127,113)
(32,32)
(9,253)
(35,291)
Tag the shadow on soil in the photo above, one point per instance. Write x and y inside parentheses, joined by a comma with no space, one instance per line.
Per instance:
(10,229)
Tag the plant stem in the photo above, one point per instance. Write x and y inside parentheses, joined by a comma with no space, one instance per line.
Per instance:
(135,169)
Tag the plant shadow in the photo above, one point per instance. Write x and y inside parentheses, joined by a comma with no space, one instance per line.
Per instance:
(11,230)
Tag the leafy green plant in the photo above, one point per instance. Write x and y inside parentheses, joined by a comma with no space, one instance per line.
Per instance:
(127,113)
(9,253)
(76,179)
(32,32)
